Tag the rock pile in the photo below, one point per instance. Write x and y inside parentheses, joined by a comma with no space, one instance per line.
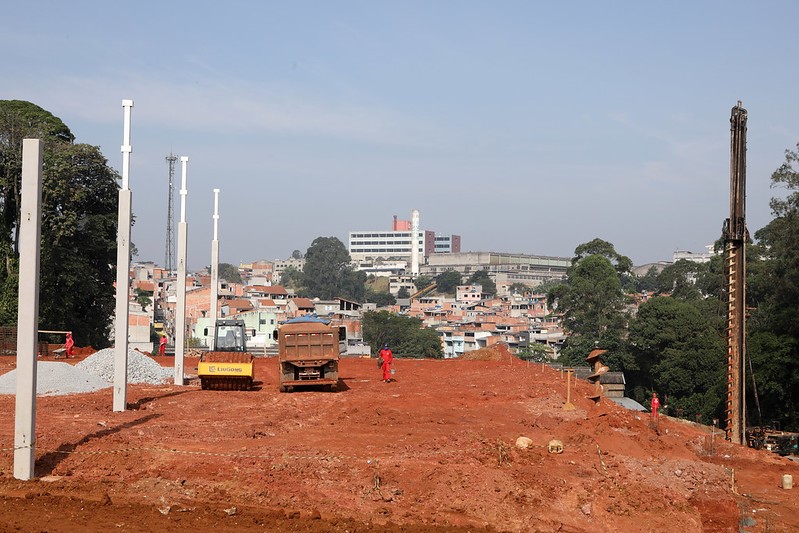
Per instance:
(93,373)
(141,368)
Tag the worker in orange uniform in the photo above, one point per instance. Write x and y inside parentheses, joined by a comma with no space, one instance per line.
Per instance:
(655,406)
(388,359)
(162,346)
(69,346)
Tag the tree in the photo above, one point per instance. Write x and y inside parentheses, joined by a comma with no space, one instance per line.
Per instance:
(229,273)
(296,254)
(622,263)
(382,299)
(406,336)
(422,281)
(144,298)
(647,282)
(328,272)
(679,280)
(536,353)
(79,225)
(447,282)
(518,288)
(592,304)
(678,353)
(773,294)
(482,278)
(291,278)
(403,293)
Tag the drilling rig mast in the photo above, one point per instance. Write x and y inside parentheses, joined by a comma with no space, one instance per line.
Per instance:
(169,256)
(735,235)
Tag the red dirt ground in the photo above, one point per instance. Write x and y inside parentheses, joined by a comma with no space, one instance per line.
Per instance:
(433,451)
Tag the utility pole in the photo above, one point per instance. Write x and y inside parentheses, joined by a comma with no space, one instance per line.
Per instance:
(735,235)
(169,256)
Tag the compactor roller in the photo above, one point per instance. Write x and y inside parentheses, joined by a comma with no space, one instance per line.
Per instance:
(228,366)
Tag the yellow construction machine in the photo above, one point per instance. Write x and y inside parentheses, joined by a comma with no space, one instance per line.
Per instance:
(228,366)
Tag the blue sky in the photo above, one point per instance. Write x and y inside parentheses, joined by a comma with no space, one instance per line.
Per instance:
(524,127)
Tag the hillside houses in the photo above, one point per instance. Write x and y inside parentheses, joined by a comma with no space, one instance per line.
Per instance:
(471,320)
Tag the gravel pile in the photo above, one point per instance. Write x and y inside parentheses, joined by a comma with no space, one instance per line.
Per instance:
(55,379)
(141,368)
(93,373)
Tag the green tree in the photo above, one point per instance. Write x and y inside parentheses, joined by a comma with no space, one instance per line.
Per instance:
(592,305)
(622,263)
(403,293)
(482,278)
(536,352)
(679,279)
(679,354)
(406,336)
(422,281)
(773,296)
(447,282)
(229,273)
(519,288)
(773,394)
(382,299)
(648,282)
(296,254)
(291,278)
(79,225)
(328,272)
(144,298)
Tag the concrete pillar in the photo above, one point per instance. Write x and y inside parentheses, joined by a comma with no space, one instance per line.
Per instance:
(123,271)
(28,309)
(415,243)
(180,318)
(215,264)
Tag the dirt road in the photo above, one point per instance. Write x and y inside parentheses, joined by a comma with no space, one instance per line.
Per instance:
(433,451)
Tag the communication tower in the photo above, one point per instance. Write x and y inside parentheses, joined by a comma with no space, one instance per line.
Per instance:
(169,256)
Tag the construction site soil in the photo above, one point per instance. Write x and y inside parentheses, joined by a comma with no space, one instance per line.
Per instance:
(433,451)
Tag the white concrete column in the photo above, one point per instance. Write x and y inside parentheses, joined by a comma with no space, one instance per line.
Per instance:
(215,265)
(180,318)
(28,309)
(415,243)
(123,271)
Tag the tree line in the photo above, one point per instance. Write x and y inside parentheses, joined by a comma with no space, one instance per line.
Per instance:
(675,342)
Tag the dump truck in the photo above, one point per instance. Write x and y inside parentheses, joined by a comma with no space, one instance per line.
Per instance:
(228,366)
(308,352)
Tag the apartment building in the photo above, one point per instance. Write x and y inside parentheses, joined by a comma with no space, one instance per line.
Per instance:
(398,243)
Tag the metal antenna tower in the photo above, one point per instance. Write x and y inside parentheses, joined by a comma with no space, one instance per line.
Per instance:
(169,257)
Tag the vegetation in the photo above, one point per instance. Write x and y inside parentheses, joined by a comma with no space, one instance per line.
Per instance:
(79,225)
(291,278)
(229,273)
(144,298)
(447,282)
(482,278)
(328,273)
(404,335)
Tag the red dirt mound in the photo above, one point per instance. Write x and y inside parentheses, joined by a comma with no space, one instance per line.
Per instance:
(497,352)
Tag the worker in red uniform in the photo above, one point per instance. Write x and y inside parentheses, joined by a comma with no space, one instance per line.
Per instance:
(69,346)
(388,359)
(655,405)
(162,346)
